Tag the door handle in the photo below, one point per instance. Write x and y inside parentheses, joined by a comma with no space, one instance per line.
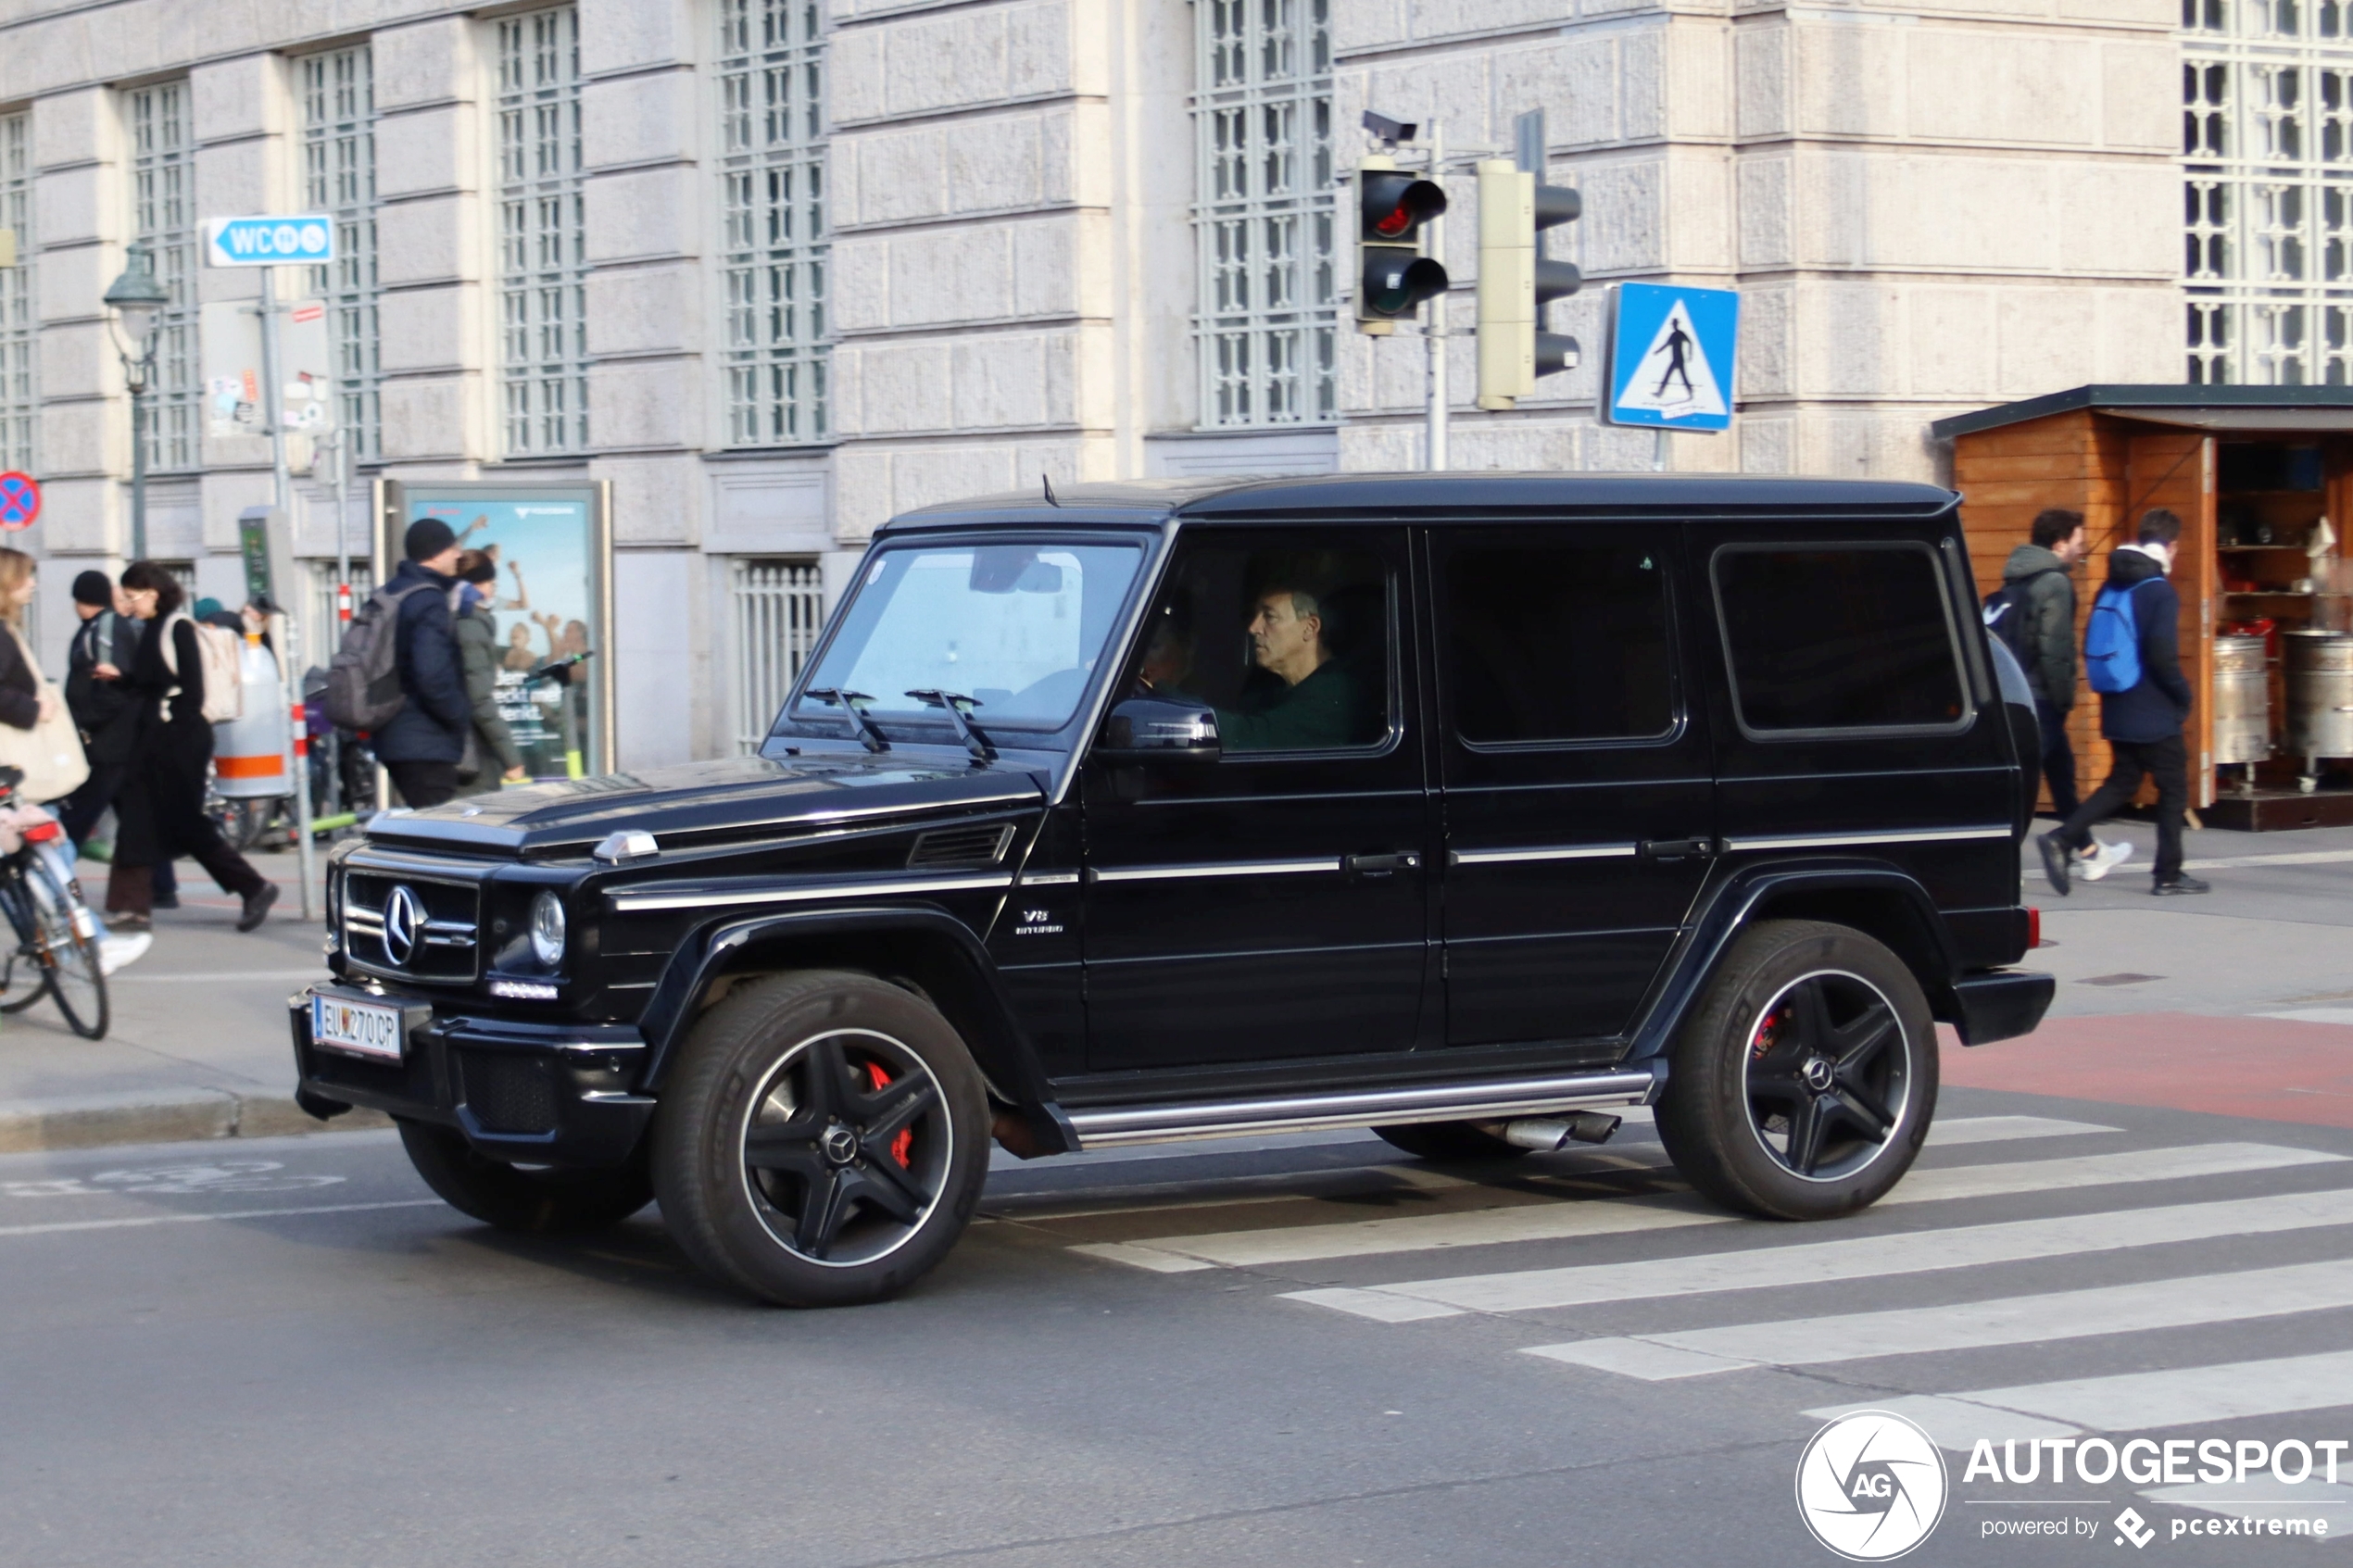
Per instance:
(1679,848)
(1379,865)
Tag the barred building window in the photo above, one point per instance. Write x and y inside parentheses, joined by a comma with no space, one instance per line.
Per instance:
(2267,149)
(771,200)
(339,177)
(1262,213)
(542,235)
(779,608)
(20,387)
(163,218)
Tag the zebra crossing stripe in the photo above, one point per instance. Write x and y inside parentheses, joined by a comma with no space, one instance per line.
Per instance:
(2004,1129)
(1862,1257)
(1569,1221)
(1969,1326)
(2132,1401)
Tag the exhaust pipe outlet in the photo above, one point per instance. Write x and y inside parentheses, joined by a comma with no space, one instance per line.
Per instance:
(1546,1134)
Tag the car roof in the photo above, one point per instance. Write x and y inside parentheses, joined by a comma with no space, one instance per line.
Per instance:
(1438,498)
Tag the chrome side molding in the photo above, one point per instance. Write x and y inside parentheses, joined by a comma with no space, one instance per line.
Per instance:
(1483,1100)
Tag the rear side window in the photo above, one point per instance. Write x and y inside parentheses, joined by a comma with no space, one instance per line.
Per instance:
(1831,637)
(1559,640)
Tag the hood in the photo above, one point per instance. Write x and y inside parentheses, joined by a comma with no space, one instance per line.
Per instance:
(2028,559)
(2127,567)
(706,802)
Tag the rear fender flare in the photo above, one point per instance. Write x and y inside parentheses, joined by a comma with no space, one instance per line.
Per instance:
(959,967)
(1904,917)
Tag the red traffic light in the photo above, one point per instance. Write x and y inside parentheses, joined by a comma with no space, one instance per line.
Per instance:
(1392,202)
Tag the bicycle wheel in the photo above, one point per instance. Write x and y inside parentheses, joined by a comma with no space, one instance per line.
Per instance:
(27,951)
(67,943)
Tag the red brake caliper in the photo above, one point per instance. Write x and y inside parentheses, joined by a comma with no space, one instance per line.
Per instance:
(904,1141)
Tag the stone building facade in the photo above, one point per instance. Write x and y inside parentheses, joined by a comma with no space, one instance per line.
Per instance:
(779,269)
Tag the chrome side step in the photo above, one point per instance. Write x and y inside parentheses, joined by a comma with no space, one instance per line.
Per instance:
(1486,1101)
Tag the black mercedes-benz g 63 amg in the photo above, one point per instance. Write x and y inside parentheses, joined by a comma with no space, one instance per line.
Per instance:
(1461,807)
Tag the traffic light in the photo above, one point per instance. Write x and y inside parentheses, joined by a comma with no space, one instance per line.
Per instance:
(1515,282)
(1392,275)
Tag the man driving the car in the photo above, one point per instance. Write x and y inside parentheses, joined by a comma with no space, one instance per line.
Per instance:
(1314,702)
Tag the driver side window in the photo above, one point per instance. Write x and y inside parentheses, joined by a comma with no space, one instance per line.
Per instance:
(1290,643)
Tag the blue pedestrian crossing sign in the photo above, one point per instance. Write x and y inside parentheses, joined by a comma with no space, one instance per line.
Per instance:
(306,237)
(1671,356)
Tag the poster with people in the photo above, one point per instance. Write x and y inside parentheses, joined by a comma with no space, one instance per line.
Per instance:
(546,601)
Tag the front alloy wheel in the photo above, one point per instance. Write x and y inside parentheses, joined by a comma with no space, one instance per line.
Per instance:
(822,1140)
(848,1147)
(1802,1086)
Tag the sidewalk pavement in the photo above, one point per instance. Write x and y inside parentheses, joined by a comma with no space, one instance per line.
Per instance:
(198,1046)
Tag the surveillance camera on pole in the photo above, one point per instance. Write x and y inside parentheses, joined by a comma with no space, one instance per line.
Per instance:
(1515,281)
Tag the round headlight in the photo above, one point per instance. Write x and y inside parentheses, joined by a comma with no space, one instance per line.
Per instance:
(547,928)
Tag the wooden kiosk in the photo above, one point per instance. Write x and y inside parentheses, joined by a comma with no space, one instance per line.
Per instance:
(2251,470)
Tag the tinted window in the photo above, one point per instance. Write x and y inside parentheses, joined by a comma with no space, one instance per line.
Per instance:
(1558,642)
(1838,636)
(1290,647)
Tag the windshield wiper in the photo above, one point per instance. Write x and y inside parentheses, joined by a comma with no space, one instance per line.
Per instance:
(957,704)
(868,736)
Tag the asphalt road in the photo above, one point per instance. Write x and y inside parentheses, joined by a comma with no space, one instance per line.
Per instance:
(1298,1351)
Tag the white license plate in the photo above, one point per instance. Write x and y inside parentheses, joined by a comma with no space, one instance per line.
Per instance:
(361,1028)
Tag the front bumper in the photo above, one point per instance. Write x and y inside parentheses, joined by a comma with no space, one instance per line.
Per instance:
(2001,1004)
(558,1093)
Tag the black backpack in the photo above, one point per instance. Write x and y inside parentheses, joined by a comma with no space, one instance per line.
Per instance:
(363,680)
(2006,616)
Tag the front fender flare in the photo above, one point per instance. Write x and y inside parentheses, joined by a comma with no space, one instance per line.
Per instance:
(1736,901)
(1002,1049)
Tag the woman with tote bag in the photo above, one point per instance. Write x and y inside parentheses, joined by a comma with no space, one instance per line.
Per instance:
(37,735)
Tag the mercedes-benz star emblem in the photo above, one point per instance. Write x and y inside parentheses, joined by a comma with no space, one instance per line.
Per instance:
(404,919)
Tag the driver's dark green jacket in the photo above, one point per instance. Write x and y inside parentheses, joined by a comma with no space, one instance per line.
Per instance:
(1322,711)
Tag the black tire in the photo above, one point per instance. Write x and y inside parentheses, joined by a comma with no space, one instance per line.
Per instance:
(65,946)
(543,1202)
(1803,1086)
(1452,1141)
(822,1141)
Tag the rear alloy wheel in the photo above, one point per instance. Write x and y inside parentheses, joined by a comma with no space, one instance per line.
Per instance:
(1803,1086)
(543,1201)
(1450,1141)
(824,1142)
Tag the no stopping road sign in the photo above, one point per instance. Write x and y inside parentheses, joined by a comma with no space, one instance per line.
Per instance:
(20,499)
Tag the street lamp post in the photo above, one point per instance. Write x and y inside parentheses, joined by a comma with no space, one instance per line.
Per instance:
(137,299)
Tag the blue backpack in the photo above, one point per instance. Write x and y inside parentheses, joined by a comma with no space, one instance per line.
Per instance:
(2112,643)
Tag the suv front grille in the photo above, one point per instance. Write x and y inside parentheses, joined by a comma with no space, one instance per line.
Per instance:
(435,937)
(943,849)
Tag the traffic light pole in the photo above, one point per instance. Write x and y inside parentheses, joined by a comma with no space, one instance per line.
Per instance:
(290,656)
(1434,329)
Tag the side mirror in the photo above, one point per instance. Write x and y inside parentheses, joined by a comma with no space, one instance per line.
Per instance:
(1159,729)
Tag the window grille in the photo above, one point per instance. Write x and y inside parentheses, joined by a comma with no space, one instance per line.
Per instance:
(779,608)
(542,235)
(163,195)
(2267,146)
(774,249)
(322,634)
(1264,217)
(20,384)
(339,177)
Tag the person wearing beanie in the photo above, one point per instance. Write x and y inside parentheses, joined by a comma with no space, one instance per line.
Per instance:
(421,746)
(494,757)
(105,711)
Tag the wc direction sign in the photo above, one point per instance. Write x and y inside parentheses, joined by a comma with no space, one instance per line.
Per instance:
(306,237)
(1673,352)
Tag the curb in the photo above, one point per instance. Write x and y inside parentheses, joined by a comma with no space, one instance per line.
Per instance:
(162,1116)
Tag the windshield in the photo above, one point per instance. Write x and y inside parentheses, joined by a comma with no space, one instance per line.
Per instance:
(1017,628)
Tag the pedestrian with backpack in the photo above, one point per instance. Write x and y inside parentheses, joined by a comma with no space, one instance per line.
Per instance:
(179,681)
(407,690)
(2131,654)
(2034,613)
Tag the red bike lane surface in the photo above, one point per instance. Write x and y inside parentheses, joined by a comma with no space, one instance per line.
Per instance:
(2274,1069)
